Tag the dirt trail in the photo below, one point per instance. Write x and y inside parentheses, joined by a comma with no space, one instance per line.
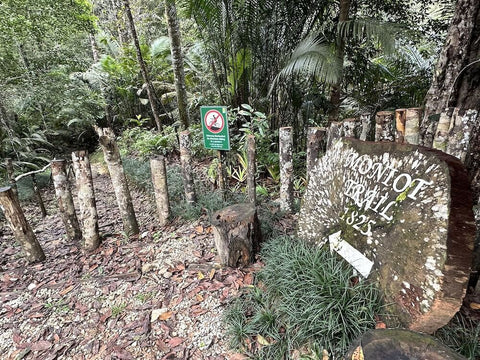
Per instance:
(156,296)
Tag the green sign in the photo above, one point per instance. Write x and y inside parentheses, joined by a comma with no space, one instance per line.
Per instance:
(215,127)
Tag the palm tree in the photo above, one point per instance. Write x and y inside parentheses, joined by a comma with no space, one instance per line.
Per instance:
(177,60)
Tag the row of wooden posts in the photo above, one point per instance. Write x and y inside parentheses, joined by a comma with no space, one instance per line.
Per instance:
(451,135)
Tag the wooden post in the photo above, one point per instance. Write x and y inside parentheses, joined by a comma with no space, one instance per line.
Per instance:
(221,173)
(187,170)
(159,180)
(11,175)
(412,125)
(286,168)
(20,227)
(86,200)
(366,120)
(315,146)
(119,181)
(440,139)
(384,126)
(428,133)
(65,200)
(460,135)
(334,132)
(237,234)
(251,170)
(400,118)
(350,127)
(38,196)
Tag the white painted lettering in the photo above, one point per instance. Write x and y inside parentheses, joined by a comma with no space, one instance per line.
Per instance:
(413,194)
(408,181)
(385,209)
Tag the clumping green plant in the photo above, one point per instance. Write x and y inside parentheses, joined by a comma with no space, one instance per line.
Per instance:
(462,335)
(304,301)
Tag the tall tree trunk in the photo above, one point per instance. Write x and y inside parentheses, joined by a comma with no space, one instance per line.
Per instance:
(143,67)
(96,59)
(456,83)
(65,200)
(177,61)
(457,73)
(336,92)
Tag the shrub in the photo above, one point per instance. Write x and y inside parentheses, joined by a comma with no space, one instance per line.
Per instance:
(303,302)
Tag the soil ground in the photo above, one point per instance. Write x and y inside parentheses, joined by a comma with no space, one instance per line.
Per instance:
(159,295)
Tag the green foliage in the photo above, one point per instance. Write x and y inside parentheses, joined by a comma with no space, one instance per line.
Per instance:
(250,121)
(148,143)
(462,335)
(304,300)
(117,310)
(25,185)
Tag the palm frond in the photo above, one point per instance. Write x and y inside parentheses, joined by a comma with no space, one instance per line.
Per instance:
(384,34)
(313,57)
(160,47)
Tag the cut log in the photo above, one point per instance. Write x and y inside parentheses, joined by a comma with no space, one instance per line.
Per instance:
(334,132)
(315,146)
(440,141)
(159,180)
(286,168)
(350,127)
(412,125)
(237,234)
(400,119)
(366,120)
(65,200)
(86,200)
(119,181)
(384,126)
(20,227)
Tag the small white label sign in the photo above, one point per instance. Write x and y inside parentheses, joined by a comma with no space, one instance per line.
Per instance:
(349,253)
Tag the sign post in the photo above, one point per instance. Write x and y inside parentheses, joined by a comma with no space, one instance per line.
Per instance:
(215,127)
(215,135)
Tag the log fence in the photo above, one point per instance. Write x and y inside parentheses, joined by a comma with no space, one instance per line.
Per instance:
(452,134)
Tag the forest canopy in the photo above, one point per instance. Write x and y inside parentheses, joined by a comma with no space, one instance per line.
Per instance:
(66,65)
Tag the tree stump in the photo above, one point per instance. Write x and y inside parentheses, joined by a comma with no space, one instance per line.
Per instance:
(117,175)
(285,139)
(316,137)
(65,200)
(237,234)
(20,227)
(86,200)
(160,186)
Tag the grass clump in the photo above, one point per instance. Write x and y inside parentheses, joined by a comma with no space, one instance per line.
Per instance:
(304,302)
(462,335)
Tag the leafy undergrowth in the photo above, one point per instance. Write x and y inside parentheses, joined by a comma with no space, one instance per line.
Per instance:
(304,301)
(462,334)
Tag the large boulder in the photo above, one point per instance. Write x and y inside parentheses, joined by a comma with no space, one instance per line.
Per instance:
(402,216)
(396,344)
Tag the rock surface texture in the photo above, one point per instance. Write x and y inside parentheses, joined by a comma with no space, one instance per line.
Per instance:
(396,344)
(402,216)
